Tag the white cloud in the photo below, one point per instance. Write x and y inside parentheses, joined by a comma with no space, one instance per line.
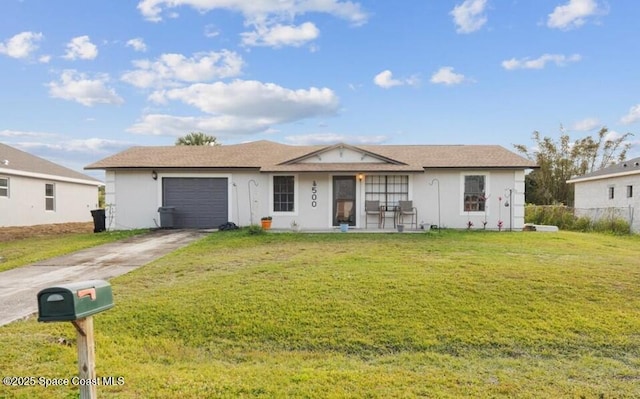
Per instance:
(586,125)
(81,146)
(260,10)
(573,14)
(632,116)
(211,31)
(253,99)
(386,80)
(94,145)
(334,138)
(75,86)
(81,48)
(469,16)
(281,35)
(221,126)
(45,59)
(239,107)
(272,20)
(21,45)
(540,62)
(137,44)
(170,68)
(20,133)
(445,75)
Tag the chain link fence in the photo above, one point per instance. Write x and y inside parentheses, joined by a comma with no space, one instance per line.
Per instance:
(615,219)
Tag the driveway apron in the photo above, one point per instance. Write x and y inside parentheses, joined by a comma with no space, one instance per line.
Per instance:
(19,287)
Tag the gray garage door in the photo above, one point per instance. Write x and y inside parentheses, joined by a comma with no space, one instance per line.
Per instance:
(199,202)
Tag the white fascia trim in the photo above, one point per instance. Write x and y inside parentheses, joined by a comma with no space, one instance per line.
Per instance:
(44,176)
(603,177)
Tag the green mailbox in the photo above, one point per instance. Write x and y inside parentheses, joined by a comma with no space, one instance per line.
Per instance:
(74,301)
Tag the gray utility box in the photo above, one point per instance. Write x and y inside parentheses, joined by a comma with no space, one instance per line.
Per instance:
(166,216)
(74,301)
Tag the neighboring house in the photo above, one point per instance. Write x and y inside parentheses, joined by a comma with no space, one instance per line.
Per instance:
(307,185)
(611,191)
(35,191)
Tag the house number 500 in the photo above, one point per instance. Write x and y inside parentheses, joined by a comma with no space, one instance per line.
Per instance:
(314,194)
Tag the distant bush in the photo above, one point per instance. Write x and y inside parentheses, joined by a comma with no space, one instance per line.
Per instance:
(255,229)
(614,225)
(554,215)
(564,217)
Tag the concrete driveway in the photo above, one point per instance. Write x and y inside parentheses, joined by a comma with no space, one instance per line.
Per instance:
(19,287)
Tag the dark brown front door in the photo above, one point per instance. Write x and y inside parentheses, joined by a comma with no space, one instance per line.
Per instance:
(344,200)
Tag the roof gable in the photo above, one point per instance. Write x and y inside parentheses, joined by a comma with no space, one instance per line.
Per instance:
(342,153)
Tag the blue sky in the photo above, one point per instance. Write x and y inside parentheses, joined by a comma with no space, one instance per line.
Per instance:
(81,80)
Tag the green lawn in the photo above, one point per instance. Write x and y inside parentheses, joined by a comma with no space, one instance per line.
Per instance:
(17,253)
(455,314)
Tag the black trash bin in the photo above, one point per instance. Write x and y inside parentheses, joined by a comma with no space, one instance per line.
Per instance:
(99,217)
(166,216)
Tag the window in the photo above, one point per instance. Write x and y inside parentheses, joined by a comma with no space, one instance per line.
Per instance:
(387,189)
(49,197)
(4,187)
(283,193)
(611,192)
(629,191)
(474,198)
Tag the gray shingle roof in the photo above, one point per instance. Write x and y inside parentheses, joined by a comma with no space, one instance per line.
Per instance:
(268,156)
(631,166)
(17,161)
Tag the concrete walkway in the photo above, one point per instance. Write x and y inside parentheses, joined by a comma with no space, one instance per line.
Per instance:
(19,287)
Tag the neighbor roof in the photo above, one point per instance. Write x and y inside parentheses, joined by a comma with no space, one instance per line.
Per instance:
(268,156)
(624,168)
(16,162)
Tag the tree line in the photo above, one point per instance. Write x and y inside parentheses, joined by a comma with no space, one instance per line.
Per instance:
(560,160)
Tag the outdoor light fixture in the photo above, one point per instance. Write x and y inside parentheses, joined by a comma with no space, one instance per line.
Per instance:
(154,175)
(360,177)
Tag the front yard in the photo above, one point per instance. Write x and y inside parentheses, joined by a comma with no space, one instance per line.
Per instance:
(451,314)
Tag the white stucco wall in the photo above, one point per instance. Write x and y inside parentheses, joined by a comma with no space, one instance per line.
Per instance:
(593,195)
(25,205)
(131,200)
(133,197)
(424,192)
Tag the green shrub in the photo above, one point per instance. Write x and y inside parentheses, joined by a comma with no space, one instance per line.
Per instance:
(555,215)
(564,218)
(255,229)
(583,224)
(611,225)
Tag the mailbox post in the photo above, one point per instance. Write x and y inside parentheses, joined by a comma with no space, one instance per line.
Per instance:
(77,303)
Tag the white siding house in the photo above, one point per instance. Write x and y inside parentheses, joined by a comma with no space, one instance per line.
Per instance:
(35,191)
(612,191)
(206,186)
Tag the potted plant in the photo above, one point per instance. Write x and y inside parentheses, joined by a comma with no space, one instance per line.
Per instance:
(266,222)
(344,225)
(295,227)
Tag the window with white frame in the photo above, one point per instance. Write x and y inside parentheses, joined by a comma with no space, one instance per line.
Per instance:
(50,197)
(284,193)
(4,187)
(388,189)
(474,193)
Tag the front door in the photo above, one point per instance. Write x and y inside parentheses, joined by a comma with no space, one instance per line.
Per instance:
(344,200)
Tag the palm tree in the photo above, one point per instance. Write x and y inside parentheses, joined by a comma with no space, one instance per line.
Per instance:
(197,138)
